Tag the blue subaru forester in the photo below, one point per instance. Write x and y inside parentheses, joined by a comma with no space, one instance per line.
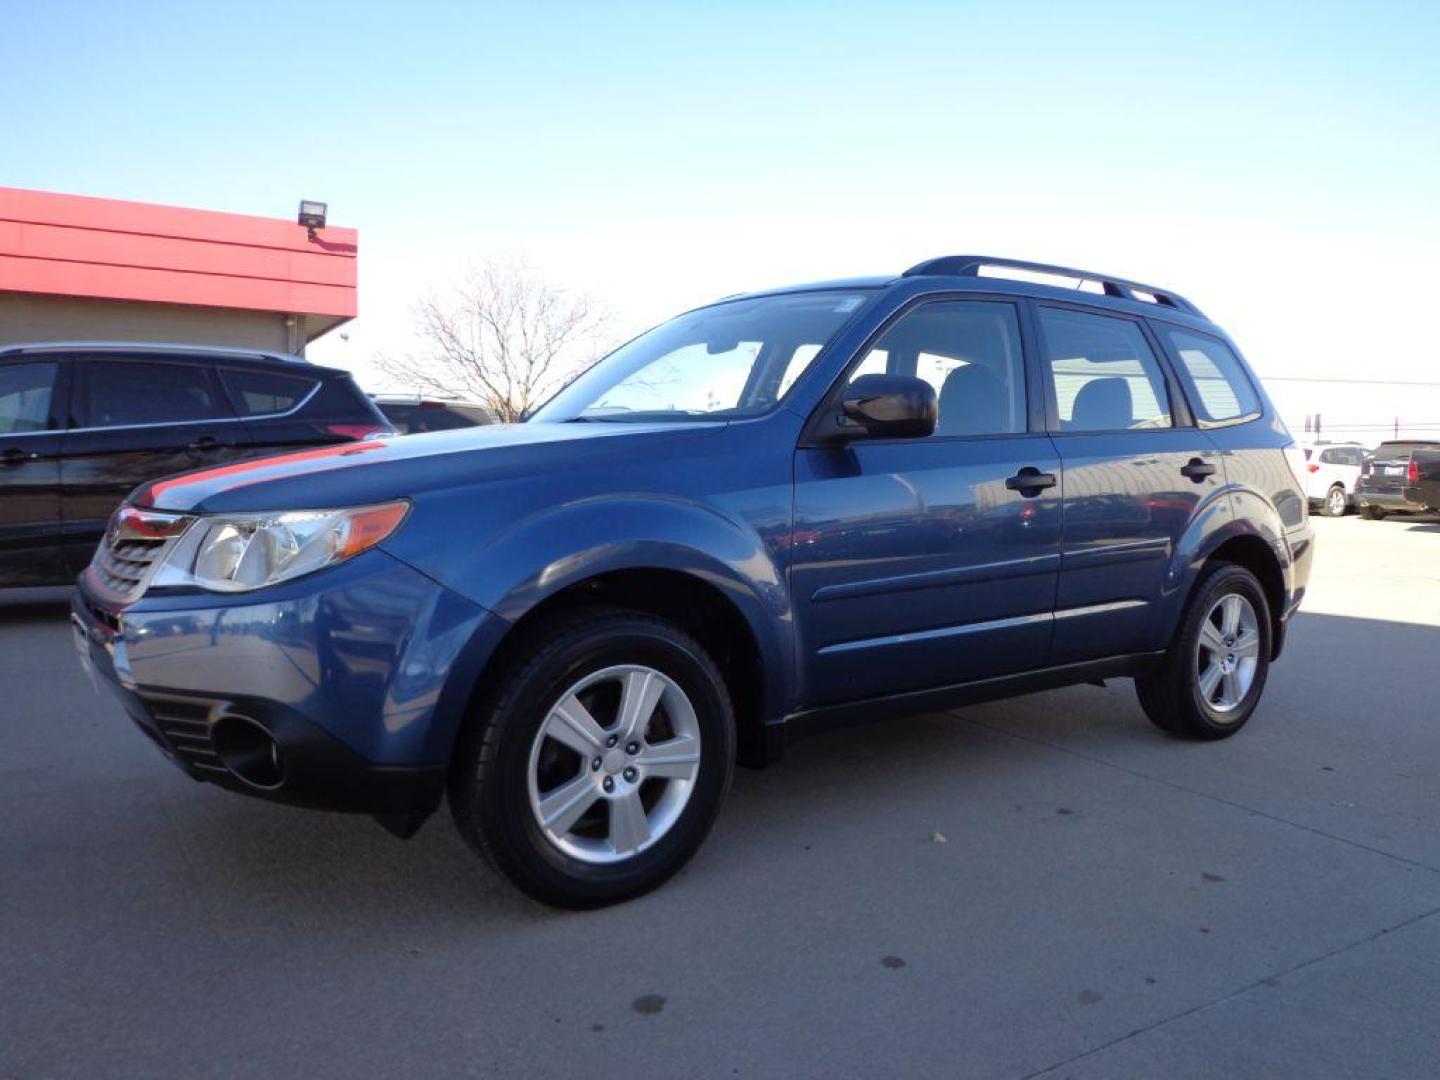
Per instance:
(760,519)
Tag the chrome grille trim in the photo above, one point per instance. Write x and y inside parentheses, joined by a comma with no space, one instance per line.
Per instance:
(135,545)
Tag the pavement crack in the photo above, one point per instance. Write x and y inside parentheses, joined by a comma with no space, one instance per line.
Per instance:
(1223,998)
(1194,791)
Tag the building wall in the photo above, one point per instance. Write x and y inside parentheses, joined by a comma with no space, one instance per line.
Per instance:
(33,317)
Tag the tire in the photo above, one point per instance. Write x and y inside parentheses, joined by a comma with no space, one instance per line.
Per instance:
(1372,513)
(1335,503)
(506,775)
(1173,696)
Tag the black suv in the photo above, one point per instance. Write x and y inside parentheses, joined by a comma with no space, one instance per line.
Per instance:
(1384,476)
(82,424)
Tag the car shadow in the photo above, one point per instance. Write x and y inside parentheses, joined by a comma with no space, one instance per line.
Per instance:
(19,605)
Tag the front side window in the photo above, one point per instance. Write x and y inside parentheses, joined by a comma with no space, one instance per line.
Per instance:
(1105,375)
(969,351)
(1217,382)
(726,361)
(26,391)
(120,393)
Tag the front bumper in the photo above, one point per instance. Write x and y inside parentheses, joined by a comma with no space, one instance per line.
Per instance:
(360,676)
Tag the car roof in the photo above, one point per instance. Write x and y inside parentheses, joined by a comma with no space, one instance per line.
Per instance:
(151,348)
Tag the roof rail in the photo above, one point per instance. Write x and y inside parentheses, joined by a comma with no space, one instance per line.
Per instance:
(213,352)
(969,266)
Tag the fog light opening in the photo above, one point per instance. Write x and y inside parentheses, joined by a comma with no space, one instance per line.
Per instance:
(248,751)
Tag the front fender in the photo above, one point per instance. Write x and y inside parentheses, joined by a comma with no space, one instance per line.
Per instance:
(557,548)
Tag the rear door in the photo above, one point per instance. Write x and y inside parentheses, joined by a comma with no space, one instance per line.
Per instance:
(31,418)
(1136,469)
(137,420)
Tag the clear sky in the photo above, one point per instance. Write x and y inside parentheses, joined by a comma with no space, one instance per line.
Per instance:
(1279,163)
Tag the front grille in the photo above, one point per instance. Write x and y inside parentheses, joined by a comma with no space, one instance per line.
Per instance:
(134,546)
(122,565)
(185,724)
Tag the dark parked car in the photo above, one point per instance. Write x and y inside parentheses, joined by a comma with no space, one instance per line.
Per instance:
(761,519)
(1384,477)
(1422,480)
(411,415)
(83,423)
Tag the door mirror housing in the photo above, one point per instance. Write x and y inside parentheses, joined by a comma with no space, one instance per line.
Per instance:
(889,406)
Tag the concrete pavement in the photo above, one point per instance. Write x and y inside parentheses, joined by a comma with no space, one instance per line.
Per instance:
(1107,901)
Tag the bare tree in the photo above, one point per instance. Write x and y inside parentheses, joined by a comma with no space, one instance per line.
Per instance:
(502,336)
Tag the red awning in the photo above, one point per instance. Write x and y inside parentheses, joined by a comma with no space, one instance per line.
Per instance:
(73,245)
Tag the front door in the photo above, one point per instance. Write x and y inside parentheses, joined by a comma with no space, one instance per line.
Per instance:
(137,420)
(920,563)
(30,442)
(1137,472)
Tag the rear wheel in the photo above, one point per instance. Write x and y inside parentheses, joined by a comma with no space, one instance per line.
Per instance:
(1215,670)
(598,764)
(1371,513)
(1335,502)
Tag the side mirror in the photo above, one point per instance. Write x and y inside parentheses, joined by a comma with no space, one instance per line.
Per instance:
(891,406)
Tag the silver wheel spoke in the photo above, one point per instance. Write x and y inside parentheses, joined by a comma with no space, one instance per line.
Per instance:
(1247,645)
(1211,637)
(637,702)
(570,723)
(1230,609)
(562,808)
(1230,693)
(629,827)
(1209,679)
(674,759)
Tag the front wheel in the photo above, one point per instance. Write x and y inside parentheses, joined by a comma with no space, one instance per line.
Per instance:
(1335,502)
(1371,513)
(597,765)
(1214,672)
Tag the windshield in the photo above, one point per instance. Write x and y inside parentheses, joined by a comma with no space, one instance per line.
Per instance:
(725,361)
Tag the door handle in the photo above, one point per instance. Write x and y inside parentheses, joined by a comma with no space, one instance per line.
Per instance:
(205,442)
(16,456)
(1197,469)
(1030,481)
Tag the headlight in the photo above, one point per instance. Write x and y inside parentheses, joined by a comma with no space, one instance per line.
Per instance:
(237,552)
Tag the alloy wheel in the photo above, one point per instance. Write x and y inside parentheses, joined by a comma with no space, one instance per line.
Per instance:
(614,763)
(1228,652)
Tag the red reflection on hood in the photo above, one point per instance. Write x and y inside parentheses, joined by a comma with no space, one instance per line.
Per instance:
(252,472)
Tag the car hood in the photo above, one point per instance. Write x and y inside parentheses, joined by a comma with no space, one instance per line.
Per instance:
(356,473)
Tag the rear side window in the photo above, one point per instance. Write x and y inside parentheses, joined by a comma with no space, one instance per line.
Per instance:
(260,393)
(25,394)
(119,393)
(1105,374)
(1218,386)
(415,419)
